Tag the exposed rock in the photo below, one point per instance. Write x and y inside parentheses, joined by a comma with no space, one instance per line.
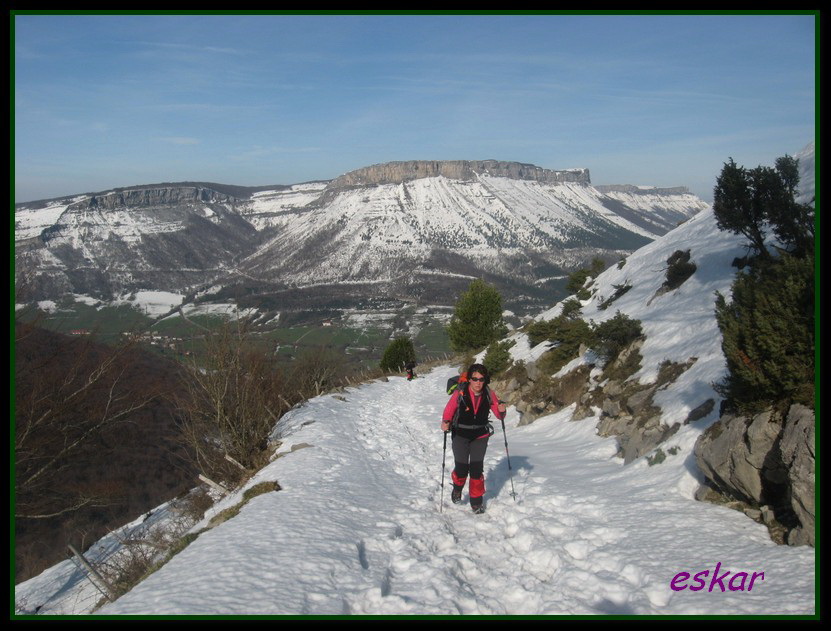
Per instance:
(730,461)
(768,462)
(610,408)
(754,514)
(398,172)
(532,371)
(613,388)
(640,400)
(645,438)
(157,196)
(637,190)
(797,449)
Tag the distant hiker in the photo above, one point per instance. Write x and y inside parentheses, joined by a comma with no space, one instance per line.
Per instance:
(466,417)
(410,370)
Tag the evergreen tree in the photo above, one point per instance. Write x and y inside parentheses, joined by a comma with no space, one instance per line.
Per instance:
(793,223)
(746,201)
(477,318)
(736,207)
(768,333)
(397,354)
(768,327)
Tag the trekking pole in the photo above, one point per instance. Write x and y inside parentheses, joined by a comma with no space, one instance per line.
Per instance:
(443,457)
(510,473)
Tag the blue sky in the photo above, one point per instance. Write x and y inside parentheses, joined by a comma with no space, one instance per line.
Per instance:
(102,101)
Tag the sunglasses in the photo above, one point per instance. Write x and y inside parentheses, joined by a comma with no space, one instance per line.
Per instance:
(477,378)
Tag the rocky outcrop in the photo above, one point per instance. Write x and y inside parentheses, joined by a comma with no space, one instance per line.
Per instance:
(767,462)
(398,172)
(763,465)
(627,411)
(158,196)
(797,448)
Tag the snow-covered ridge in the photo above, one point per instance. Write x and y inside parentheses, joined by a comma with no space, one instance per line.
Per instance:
(385,229)
(179,238)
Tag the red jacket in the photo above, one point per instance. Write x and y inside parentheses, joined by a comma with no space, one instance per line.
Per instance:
(453,403)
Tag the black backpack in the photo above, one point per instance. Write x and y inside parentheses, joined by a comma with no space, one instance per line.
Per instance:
(453,382)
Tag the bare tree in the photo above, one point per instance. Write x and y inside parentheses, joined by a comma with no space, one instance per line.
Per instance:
(64,401)
(228,402)
(315,371)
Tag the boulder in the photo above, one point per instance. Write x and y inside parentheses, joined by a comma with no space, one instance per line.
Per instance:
(732,452)
(797,447)
(640,400)
(767,461)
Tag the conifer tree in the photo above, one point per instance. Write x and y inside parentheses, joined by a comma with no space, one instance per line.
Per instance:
(398,353)
(477,318)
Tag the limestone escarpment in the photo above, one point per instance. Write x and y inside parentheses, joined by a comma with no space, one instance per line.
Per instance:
(157,196)
(398,172)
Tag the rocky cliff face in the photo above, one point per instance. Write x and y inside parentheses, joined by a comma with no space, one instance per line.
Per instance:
(157,196)
(464,170)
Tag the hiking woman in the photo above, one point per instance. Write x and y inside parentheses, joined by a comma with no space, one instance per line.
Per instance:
(466,417)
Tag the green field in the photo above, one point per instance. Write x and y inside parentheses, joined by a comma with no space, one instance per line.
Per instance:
(175,336)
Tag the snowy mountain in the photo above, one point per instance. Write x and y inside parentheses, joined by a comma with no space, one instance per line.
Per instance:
(360,524)
(399,229)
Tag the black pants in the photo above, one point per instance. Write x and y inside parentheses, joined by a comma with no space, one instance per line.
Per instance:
(469,455)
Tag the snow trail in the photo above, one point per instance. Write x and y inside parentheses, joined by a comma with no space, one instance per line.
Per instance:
(357,527)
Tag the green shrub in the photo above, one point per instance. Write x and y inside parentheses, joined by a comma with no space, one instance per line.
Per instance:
(577,279)
(568,331)
(568,334)
(498,357)
(397,354)
(615,334)
(749,201)
(657,458)
(571,309)
(260,489)
(679,269)
(621,371)
(619,291)
(551,362)
(768,333)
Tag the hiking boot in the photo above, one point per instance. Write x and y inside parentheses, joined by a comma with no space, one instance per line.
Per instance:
(456,494)
(478,510)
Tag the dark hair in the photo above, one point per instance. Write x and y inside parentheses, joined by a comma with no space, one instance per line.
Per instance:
(481,369)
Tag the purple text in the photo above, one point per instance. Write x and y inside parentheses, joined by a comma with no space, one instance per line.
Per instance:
(738,582)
